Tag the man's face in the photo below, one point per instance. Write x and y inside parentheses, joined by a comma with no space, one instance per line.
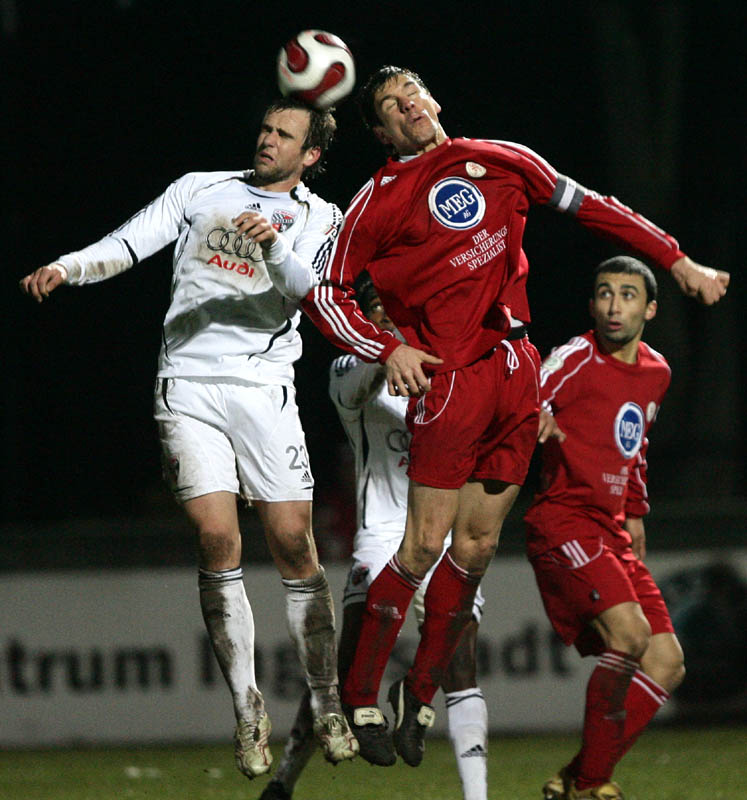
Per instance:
(280,157)
(619,307)
(408,115)
(377,314)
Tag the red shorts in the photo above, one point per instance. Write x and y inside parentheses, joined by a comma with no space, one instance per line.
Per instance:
(479,421)
(583,577)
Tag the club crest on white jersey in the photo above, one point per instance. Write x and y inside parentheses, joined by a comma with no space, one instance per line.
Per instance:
(629,427)
(456,203)
(282,220)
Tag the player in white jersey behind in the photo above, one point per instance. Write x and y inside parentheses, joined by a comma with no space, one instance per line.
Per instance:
(374,422)
(249,245)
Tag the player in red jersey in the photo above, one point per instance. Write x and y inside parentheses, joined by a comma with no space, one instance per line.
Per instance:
(600,394)
(439,228)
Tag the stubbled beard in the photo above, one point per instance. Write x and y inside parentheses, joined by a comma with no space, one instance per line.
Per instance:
(273,175)
(619,338)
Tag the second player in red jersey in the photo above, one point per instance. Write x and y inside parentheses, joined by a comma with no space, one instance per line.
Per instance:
(605,407)
(585,536)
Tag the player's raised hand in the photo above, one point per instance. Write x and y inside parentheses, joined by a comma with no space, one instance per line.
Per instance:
(404,371)
(43,281)
(254,226)
(703,283)
(548,428)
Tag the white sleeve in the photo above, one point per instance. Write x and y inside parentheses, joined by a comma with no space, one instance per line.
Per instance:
(352,382)
(296,270)
(147,232)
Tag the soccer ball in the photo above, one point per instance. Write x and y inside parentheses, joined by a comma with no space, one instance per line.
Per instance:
(317,68)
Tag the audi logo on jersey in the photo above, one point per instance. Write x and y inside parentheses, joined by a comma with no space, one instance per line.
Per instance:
(398,440)
(232,243)
(629,426)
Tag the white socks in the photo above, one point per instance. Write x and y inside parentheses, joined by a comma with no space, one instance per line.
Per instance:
(311,623)
(468,730)
(230,625)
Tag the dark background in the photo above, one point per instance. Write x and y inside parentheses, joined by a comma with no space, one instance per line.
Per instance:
(105,103)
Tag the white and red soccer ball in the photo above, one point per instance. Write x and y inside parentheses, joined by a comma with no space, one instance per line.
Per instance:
(316,67)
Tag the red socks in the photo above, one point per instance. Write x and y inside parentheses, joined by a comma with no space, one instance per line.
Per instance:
(448,608)
(644,698)
(386,606)
(604,722)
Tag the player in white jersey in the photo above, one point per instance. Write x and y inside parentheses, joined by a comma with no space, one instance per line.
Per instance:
(374,422)
(249,245)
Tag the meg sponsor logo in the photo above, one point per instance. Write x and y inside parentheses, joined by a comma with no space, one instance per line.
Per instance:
(629,426)
(456,203)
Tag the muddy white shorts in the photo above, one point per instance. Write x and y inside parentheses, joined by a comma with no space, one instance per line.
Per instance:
(230,436)
(371,552)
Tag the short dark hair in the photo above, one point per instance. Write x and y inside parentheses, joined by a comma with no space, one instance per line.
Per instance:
(629,266)
(322,129)
(365,97)
(365,291)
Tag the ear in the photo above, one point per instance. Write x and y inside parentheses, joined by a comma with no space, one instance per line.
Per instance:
(650,312)
(311,156)
(591,307)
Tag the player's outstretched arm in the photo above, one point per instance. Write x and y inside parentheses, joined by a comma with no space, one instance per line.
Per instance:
(404,371)
(703,283)
(43,281)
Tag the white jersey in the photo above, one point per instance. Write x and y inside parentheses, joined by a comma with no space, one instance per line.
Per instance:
(233,312)
(374,422)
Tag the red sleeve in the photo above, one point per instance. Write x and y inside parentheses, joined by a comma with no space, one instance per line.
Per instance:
(605,216)
(609,218)
(636,500)
(331,305)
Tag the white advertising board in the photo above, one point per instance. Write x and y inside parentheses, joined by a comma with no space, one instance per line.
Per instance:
(122,656)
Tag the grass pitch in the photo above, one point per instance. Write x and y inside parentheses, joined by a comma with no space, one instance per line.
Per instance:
(666,764)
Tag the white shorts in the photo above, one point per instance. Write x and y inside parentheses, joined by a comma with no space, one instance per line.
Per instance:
(371,553)
(230,436)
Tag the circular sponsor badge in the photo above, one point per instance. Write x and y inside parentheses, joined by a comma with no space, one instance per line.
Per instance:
(629,425)
(456,203)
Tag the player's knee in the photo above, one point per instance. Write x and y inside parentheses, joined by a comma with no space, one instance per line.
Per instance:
(429,552)
(632,638)
(218,548)
(293,549)
(485,549)
(420,553)
(475,553)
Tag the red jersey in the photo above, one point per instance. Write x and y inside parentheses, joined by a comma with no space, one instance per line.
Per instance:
(605,407)
(441,235)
